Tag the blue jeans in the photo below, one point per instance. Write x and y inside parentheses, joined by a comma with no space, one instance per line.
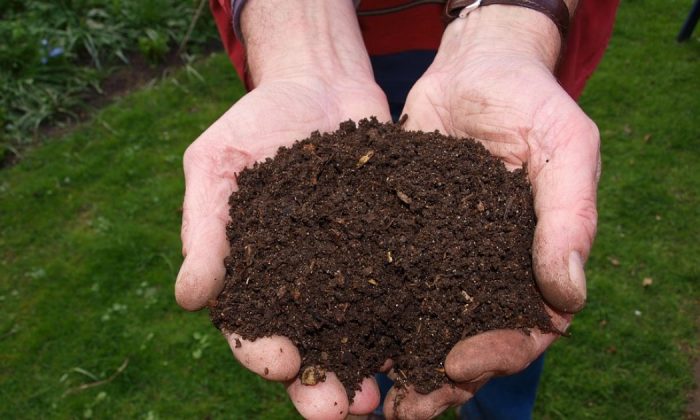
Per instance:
(509,397)
(504,398)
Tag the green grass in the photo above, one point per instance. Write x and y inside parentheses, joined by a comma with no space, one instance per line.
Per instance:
(645,100)
(89,249)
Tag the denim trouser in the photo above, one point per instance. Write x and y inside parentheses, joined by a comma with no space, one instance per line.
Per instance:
(504,398)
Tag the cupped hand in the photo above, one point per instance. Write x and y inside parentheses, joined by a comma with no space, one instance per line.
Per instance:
(508,99)
(275,114)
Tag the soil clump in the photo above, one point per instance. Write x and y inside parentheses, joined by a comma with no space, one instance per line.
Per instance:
(374,243)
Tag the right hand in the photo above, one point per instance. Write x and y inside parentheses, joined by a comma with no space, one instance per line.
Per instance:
(492,79)
(275,114)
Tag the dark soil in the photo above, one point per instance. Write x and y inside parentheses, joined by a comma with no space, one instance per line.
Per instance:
(373,243)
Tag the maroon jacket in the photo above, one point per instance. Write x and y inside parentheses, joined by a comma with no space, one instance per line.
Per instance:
(588,37)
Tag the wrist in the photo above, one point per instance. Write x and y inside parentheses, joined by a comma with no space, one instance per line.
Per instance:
(311,38)
(505,31)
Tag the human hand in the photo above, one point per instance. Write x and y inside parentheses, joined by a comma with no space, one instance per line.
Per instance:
(324,82)
(492,80)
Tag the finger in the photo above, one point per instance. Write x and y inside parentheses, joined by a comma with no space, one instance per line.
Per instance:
(499,352)
(564,172)
(210,178)
(386,367)
(275,358)
(406,403)
(366,399)
(325,400)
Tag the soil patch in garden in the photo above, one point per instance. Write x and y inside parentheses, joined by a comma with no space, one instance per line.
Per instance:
(374,243)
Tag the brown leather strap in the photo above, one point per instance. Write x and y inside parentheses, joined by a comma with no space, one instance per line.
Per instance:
(554,9)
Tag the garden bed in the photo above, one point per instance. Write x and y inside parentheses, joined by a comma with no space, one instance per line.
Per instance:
(60,60)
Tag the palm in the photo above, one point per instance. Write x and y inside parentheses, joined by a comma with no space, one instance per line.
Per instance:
(520,113)
(253,129)
(278,113)
(501,103)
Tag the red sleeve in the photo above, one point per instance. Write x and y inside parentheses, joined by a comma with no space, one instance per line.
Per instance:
(221,9)
(589,35)
(411,29)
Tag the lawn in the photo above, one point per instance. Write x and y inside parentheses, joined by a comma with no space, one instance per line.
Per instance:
(89,250)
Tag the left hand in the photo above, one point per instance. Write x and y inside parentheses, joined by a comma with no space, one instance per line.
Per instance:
(307,77)
(492,80)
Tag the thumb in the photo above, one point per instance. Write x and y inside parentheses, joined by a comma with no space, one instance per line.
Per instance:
(564,185)
(210,178)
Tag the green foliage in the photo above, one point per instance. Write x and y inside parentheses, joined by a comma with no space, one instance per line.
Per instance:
(19,52)
(57,51)
(153,45)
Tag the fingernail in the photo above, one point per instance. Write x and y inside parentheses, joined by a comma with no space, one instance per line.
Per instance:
(578,279)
